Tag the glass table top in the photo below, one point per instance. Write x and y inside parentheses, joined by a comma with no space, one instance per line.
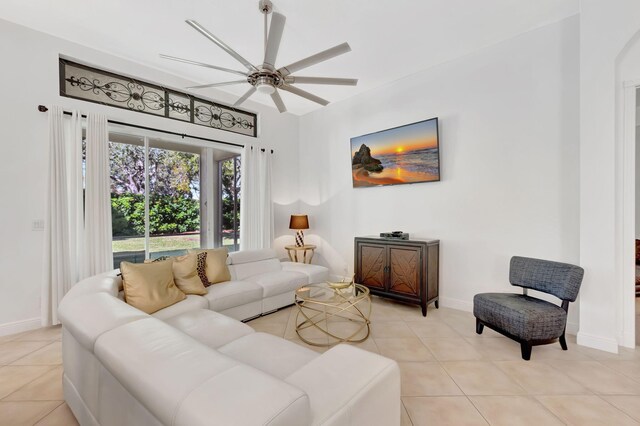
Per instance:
(324,293)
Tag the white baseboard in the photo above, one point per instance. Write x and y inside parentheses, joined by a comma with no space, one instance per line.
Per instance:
(572,328)
(459,304)
(627,340)
(606,344)
(19,326)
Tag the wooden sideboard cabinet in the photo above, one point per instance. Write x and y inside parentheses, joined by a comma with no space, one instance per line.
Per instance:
(403,270)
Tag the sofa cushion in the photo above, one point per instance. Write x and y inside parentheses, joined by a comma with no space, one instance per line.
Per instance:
(231,294)
(90,315)
(350,386)
(316,273)
(523,316)
(211,328)
(250,256)
(269,353)
(150,286)
(216,267)
(201,268)
(244,395)
(185,274)
(244,271)
(278,282)
(159,365)
(190,303)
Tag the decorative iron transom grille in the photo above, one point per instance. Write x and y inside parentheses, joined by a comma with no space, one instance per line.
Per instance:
(94,85)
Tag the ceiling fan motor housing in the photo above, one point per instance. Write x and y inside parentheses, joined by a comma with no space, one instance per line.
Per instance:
(266,78)
(265,81)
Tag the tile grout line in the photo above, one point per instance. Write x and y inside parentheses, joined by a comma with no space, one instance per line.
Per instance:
(31,353)
(406,411)
(616,408)
(51,368)
(47,414)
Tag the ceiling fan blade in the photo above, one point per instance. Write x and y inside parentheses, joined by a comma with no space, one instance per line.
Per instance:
(273,41)
(224,83)
(202,64)
(245,96)
(202,30)
(315,59)
(304,94)
(278,101)
(322,80)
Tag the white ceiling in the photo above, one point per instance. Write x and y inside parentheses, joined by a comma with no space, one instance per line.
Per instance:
(390,40)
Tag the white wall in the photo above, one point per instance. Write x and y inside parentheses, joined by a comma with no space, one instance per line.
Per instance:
(30,77)
(637,172)
(605,29)
(509,151)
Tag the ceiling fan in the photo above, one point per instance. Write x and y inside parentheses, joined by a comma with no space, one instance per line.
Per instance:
(266,78)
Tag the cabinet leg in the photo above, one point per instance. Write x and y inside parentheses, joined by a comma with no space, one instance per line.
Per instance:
(424,309)
(437,304)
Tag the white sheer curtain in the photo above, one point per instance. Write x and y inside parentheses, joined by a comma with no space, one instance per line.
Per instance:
(76,198)
(256,207)
(97,207)
(78,223)
(58,277)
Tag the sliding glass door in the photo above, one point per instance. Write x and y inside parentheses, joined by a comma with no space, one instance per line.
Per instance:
(174,201)
(128,192)
(229,212)
(165,195)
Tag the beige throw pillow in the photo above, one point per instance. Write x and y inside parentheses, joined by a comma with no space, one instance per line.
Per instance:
(150,286)
(186,276)
(216,265)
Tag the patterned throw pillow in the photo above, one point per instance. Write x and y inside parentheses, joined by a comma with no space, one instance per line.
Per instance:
(201,266)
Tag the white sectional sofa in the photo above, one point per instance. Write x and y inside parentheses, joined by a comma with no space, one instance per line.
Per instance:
(259,284)
(194,363)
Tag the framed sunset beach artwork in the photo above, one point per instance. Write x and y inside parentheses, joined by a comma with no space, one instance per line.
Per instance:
(404,154)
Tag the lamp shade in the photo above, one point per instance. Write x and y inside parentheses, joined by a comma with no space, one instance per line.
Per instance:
(299,221)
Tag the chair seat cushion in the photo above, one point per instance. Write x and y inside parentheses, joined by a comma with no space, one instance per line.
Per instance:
(279,282)
(522,316)
(230,294)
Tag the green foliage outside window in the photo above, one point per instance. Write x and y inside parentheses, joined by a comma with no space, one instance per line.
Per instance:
(167,214)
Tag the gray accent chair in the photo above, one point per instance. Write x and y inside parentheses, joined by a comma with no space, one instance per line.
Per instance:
(525,319)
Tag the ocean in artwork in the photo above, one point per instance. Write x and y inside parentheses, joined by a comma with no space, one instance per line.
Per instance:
(420,161)
(407,154)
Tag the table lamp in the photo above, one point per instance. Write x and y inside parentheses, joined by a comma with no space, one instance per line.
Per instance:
(299,222)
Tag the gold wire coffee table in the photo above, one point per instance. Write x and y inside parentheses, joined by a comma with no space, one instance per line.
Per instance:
(341,314)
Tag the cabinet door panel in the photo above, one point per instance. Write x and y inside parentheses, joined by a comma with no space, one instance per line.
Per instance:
(405,263)
(372,263)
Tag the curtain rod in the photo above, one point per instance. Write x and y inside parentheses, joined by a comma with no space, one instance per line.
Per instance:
(43,108)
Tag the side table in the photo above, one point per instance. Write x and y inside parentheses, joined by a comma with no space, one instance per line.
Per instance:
(292,251)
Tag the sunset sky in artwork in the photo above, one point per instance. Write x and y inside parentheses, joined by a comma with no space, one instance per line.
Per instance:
(401,139)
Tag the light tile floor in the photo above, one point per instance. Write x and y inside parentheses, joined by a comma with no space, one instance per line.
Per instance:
(450,375)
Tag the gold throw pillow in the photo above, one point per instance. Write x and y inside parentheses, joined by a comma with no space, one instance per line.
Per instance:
(186,276)
(150,286)
(216,265)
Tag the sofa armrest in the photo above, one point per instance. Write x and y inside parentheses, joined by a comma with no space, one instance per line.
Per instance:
(350,386)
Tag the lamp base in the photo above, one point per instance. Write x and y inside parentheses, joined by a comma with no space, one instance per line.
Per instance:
(299,238)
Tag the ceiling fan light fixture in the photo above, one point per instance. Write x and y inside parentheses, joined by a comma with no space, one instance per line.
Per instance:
(265,85)
(266,78)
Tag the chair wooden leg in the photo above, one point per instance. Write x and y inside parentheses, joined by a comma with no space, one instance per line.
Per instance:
(563,342)
(479,326)
(525,348)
